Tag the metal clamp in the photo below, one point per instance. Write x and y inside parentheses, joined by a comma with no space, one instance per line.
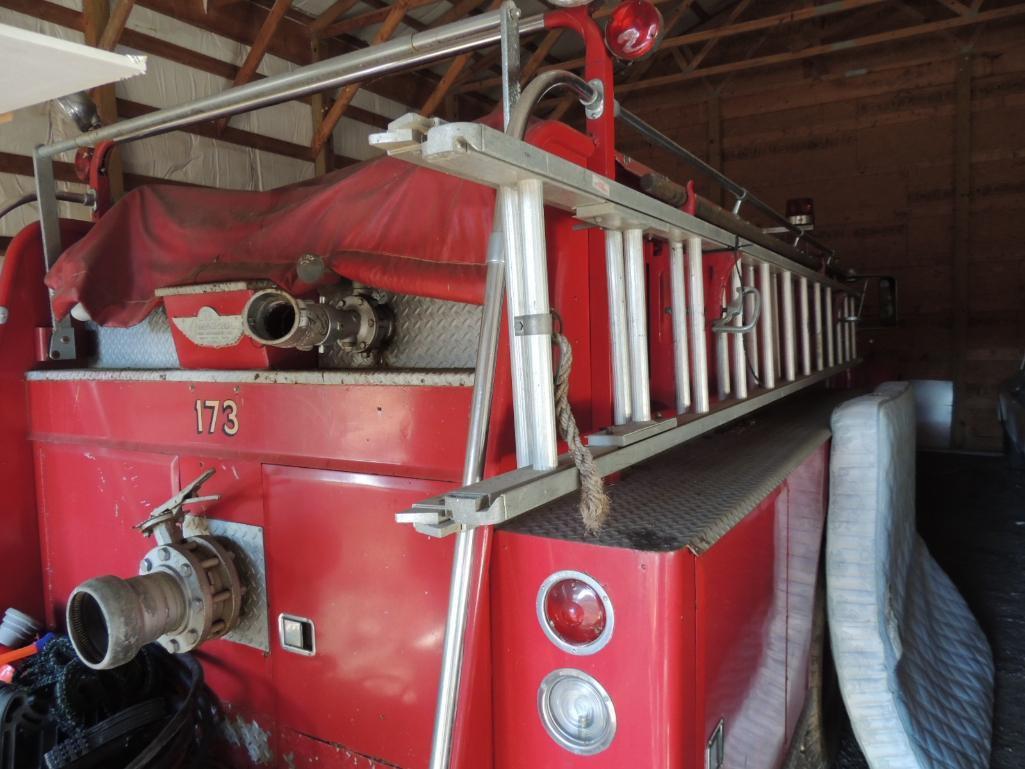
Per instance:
(595,108)
(735,309)
(533,325)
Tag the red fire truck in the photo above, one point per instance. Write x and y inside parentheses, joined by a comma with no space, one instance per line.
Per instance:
(502,450)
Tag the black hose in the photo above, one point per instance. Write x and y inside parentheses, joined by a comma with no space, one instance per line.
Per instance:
(82,198)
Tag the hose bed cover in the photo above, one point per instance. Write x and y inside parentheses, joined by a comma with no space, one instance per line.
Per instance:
(915,669)
(385,223)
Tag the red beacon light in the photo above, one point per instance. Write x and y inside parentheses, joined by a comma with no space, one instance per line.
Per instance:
(633,30)
(575,612)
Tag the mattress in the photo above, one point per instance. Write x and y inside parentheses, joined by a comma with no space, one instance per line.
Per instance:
(915,669)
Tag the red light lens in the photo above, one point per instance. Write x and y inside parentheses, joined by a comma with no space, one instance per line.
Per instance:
(633,30)
(575,612)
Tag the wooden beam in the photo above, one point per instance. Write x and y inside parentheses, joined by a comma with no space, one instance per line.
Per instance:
(116,25)
(962,239)
(641,68)
(957,7)
(767,22)
(258,49)
(370,18)
(458,11)
(71,19)
(455,69)
(346,94)
(892,36)
(96,18)
(63,171)
(542,51)
(714,147)
(335,10)
(242,23)
(699,57)
(323,160)
(237,136)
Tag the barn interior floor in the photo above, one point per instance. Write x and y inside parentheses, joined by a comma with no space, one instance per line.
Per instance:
(971,513)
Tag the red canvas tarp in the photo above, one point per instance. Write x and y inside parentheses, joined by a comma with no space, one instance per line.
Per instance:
(384,223)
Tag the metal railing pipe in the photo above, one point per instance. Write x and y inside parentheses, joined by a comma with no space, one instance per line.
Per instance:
(767,329)
(681,353)
(405,52)
(616,278)
(751,338)
(788,325)
(637,325)
(802,303)
(696,324)
(741,193)
(738,341)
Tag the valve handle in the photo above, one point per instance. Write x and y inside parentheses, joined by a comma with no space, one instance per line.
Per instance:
(165,520)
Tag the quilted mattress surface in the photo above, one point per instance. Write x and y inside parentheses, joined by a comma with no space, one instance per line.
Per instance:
(915,669)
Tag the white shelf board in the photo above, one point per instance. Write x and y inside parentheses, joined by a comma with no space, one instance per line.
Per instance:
(35,68)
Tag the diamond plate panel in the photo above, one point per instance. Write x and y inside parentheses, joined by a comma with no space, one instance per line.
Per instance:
(429,334)
(693,495)
(246,542)
(145,345)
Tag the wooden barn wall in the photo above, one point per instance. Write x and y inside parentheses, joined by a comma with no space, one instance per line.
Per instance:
(871,137)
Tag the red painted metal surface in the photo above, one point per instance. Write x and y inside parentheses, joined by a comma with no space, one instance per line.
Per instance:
(376,591)
(246,353)
(647,666)
(24,297)
(697,638)
(387,430)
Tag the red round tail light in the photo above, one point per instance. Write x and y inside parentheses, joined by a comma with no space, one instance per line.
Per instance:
(633,30)
(575,612)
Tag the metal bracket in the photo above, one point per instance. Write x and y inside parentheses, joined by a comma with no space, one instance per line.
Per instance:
(533,325)
(735,309)
(595,108)
(741,197)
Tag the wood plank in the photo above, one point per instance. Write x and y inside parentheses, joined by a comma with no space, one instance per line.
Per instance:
(97,19)
(962,235)
(230,134)
(891,36)
(346,94)
(336,9)
(116,24)
(368,19)
(63,171)
(451,76)
(155,46)
(258,49)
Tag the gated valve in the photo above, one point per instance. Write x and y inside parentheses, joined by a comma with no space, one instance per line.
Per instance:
(187,592)
(351,320)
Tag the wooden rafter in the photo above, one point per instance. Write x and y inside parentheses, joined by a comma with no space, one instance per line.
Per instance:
(335,10)
(957,7)
(291,42)
(699,57)
(369,18)
(101,26)
(452,74)
(896,35)
(772,22)
(258,48)
(115,25)
(641,68)
(346,94)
